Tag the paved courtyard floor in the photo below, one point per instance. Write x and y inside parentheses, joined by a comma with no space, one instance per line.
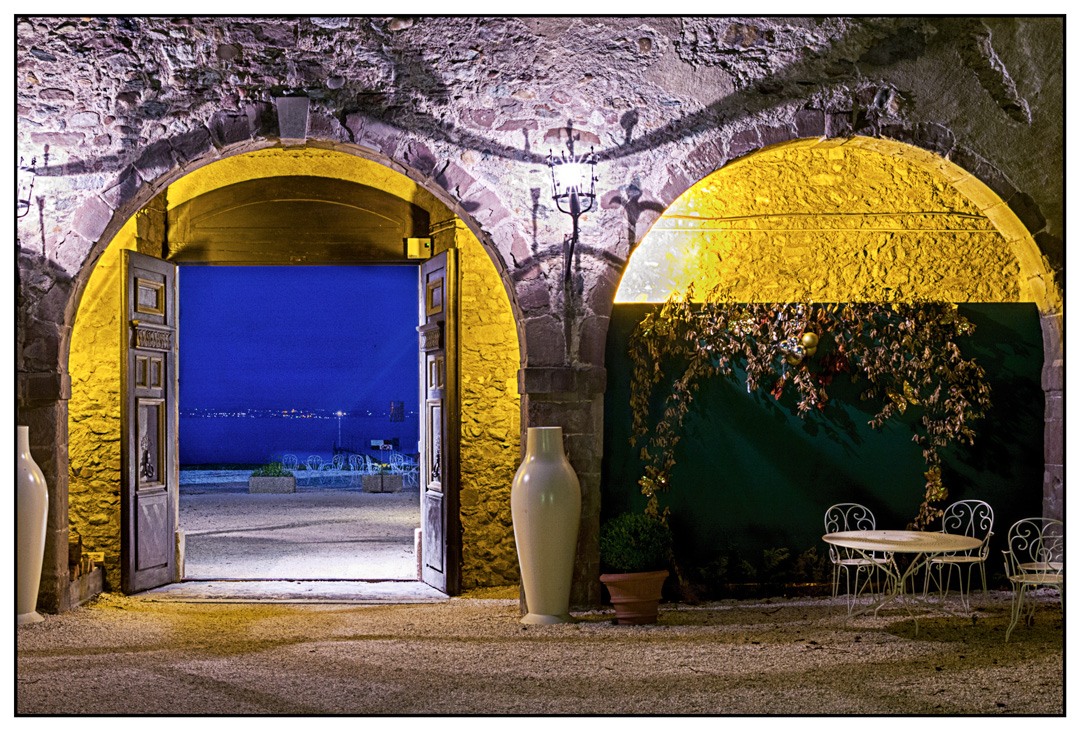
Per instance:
(147,655)
(314,533)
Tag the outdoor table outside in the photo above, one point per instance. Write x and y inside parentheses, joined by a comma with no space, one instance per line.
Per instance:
(923,545)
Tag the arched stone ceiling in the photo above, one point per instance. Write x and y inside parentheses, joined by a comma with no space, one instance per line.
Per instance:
(829,222)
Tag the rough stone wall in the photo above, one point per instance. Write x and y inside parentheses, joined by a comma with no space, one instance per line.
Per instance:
(94,410)
(490,420)
(469,107)
(808,221)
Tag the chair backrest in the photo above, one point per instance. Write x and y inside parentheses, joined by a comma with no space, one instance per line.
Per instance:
(845,517)
(290,462)
(1035,546)
(339,462)
(848,516)
(314,462)
(973,518)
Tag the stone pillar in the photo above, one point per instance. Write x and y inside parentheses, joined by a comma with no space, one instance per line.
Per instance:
(43,407)
(573,398)
(1053,376)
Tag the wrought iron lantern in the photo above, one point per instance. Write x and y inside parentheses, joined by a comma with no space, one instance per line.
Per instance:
(573,180)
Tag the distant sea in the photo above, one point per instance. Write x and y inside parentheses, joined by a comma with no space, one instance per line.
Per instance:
(217,439)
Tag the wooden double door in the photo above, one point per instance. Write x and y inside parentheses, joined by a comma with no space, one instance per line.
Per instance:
(149,407)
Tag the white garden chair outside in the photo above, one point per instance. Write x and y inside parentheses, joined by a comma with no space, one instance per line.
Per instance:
(314,463)
(397,463)
(1034,557)
(363,464)
(973,518)
(409,470)
(850,517)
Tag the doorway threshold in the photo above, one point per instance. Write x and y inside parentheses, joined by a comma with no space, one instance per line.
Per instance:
(307,591)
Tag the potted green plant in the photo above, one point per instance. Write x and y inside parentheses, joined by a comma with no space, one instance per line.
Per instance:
(635,549)
(272,478)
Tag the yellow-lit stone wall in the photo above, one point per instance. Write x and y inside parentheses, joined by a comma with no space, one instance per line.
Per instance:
(276,161)
(811,220)
(94,409)
(490,419)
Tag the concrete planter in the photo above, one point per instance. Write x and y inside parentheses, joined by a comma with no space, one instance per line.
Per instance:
(277,485)
(382,483)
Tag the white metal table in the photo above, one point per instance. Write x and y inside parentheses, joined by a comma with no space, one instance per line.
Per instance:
(923,545)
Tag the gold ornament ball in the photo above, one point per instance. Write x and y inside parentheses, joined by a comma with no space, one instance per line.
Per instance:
(794,360)
(809,340)
(811,351)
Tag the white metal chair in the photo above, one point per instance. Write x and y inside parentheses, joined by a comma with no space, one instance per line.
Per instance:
(1034,556)
(339,463)
(848,517)
(409,471)
(364,464)
(314,463)
(973,518)
(290,462)
(397,463)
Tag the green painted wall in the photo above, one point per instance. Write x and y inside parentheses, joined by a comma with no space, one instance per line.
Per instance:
(753,476)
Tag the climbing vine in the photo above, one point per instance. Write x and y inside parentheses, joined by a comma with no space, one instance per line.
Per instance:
(905,353)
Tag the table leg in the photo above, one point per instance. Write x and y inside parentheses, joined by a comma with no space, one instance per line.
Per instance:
(899,589)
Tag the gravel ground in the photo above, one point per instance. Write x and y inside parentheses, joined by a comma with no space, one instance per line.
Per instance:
(130,655)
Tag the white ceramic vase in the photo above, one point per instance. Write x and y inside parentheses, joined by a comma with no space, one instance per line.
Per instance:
(545,502)
(32,506)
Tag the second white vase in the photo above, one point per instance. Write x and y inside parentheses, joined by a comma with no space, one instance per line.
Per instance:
(545,502)
(32,507)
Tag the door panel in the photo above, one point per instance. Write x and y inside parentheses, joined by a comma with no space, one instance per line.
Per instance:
(441,542)
(149,470)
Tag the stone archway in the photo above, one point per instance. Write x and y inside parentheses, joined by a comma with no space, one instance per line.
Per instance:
(44,396)
(1025,273)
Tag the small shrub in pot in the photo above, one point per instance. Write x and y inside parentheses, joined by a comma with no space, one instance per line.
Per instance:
(635,542)
(636,548)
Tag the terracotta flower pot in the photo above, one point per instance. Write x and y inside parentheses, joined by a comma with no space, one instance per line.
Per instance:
(636,597)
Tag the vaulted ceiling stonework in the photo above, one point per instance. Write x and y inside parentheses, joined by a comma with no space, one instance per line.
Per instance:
(111,111)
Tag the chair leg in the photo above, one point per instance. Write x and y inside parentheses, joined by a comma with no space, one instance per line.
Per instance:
(944,585)
(1017,604)
(982,570)
(965,586)
(1029,617)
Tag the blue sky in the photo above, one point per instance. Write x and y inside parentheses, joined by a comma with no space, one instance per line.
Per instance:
(334,337)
